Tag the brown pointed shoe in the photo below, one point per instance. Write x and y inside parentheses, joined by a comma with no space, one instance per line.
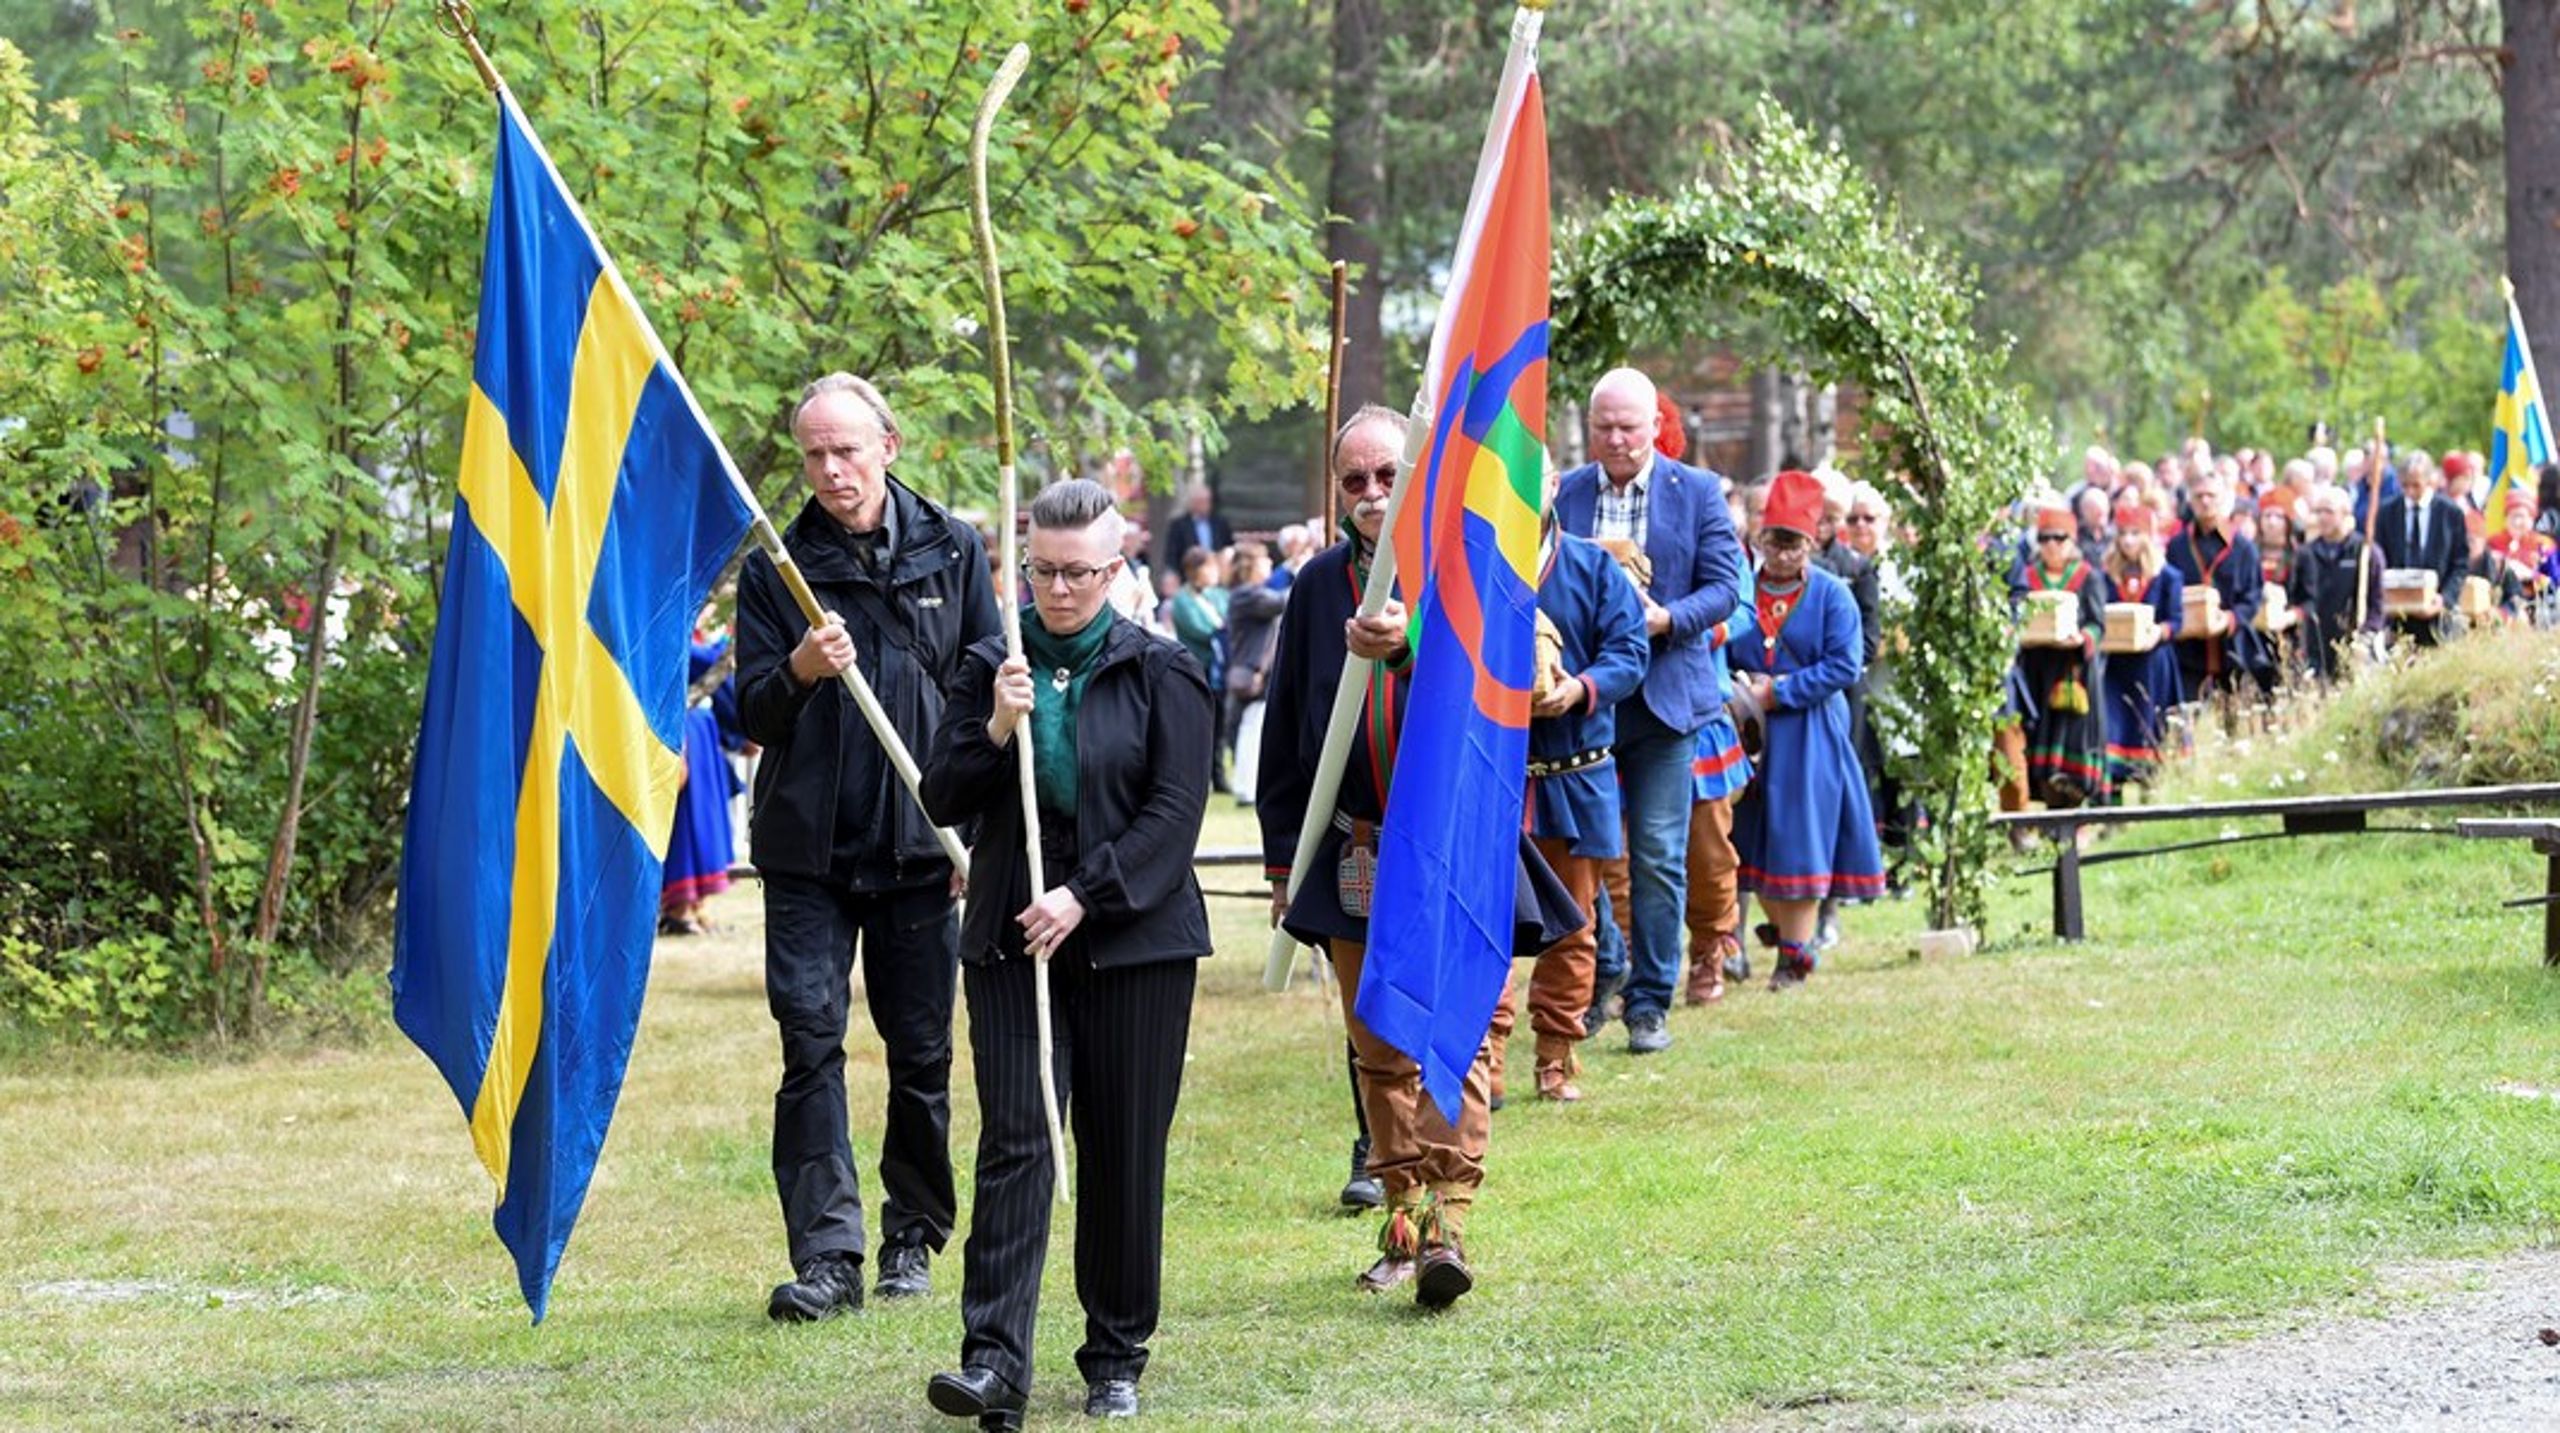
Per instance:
(1390,1271)
(1555,1085)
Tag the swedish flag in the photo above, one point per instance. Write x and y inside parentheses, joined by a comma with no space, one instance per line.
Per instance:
(593,512)
(2522,441)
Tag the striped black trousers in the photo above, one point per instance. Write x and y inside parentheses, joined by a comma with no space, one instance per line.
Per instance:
(1120,1034)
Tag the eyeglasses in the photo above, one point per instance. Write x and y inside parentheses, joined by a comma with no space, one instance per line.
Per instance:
(1381,477)
(2053,537)
(1862,519)
(1779,539)
(1076,575)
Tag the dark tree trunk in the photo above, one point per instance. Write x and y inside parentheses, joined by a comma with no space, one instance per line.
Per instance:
(1356,192)
(1767,440)
(2532,119)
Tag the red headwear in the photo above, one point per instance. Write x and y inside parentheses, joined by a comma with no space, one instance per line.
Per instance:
(1669,438)
(1795,503)
(2137,517)
(2456,464)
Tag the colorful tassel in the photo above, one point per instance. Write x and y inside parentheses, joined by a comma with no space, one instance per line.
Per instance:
(1400,1239)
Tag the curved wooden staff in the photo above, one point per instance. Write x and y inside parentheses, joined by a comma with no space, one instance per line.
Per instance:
(982,228)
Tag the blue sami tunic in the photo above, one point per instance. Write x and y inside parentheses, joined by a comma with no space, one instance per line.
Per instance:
(1594,607)
(2142,687)
(1807,832)
(1721,767)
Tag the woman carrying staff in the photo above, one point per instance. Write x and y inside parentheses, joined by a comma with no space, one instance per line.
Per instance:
(1806,831)
(2067,736)
(1121,731)
(2141,687)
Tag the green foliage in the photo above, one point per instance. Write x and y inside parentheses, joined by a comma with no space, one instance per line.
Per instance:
(1795,245)
(2121,174)
(229,409)
(124,989)
(2344,355)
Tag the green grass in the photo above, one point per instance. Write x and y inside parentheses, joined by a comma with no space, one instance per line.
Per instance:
(2268,1079)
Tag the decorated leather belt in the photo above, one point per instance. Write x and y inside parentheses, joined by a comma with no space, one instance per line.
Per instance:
(1355,871)
(1579,761)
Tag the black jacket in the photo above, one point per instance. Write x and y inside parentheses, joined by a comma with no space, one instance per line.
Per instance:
(817,747)
(1144,734)
(2448,548)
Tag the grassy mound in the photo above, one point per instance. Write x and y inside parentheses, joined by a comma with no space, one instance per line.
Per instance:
(2484,711)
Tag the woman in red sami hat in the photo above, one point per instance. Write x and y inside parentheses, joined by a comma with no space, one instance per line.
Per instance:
(1805,831)
(2141,687)
(2066,732)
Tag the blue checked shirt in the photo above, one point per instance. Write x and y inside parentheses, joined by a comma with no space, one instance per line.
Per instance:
(1622,513)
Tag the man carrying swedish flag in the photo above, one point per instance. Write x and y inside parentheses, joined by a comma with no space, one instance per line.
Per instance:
(847,857)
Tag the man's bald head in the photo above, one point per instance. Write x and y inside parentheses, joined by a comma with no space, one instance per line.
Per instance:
(1625,418)
(1629,383)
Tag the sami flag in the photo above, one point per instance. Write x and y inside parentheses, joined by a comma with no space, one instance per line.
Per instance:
(593,512)
(2522,441)
(1466,541)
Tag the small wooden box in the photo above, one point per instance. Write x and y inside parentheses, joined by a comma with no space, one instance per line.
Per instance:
(2275,612)
(2204,616)
(2131,627)
(2053,619)
(2478,598)
(2411,592)
(1550,647)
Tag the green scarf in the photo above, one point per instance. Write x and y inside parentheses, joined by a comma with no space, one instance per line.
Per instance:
(1053,706)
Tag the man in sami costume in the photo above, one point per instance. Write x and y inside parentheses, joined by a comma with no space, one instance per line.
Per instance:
(1429,1166)
(2209,551)
(1806,832)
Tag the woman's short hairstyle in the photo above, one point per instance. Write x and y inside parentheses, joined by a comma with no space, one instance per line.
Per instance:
(1072,504)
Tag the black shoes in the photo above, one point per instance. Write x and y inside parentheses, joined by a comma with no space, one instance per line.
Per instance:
(982,1393)
(828,1285)
(1362,1190)
(1111,1398)
(906,1271)
(1645,1035)
(1604,995)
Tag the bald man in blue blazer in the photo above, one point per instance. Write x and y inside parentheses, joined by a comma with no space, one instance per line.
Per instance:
(1676,514)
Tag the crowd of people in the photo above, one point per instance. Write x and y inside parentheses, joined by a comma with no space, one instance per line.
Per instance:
(2258,579)
(1704,733)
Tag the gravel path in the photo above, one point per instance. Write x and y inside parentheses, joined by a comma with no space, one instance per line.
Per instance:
(2461,1349)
